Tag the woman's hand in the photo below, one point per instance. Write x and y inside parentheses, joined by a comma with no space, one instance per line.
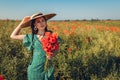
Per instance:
(25,19)
(49,57)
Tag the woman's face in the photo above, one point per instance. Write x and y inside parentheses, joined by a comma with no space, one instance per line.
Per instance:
(40,23)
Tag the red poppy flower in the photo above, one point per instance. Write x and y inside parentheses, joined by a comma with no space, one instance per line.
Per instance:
(50,43)
(1,77)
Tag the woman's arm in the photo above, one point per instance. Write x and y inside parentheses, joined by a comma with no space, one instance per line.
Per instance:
(15,34)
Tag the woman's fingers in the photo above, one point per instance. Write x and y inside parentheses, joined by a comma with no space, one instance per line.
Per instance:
(25,19)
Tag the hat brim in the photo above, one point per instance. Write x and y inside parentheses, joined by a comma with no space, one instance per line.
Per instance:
(47,16)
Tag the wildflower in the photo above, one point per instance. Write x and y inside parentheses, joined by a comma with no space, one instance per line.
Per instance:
(1,77)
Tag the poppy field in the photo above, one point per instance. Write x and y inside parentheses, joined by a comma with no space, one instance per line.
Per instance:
(89,50)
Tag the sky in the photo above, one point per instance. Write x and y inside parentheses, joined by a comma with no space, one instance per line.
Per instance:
(65,9)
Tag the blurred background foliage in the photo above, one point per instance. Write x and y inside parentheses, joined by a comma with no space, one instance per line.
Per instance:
(89,50)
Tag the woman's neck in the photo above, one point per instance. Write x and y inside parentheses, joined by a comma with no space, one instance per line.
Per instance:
(41,32)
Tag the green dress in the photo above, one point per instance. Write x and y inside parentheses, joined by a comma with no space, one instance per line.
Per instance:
(36,69)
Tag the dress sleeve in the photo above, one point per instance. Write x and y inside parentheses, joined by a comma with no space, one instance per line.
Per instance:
(27,41)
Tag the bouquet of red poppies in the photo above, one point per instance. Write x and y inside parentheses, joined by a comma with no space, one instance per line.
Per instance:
(50,43)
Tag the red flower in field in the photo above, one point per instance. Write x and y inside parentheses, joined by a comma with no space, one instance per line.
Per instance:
(67,32)
(69,49)
(99,28)
(54,28)
(50,43)
(106,28)
(1,77)
(115,29)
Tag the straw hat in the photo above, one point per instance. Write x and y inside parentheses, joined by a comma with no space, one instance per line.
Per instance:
(37,15)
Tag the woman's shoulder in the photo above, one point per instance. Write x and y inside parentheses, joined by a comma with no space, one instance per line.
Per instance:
(28,36)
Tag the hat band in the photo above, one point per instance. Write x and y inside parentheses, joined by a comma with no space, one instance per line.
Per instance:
(36,15)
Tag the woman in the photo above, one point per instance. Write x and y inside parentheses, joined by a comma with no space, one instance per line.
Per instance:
(38,23)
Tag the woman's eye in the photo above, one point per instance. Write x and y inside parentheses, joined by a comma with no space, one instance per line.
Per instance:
(38,21)
(43,20)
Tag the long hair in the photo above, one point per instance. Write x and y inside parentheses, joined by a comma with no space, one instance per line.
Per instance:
(35,31)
